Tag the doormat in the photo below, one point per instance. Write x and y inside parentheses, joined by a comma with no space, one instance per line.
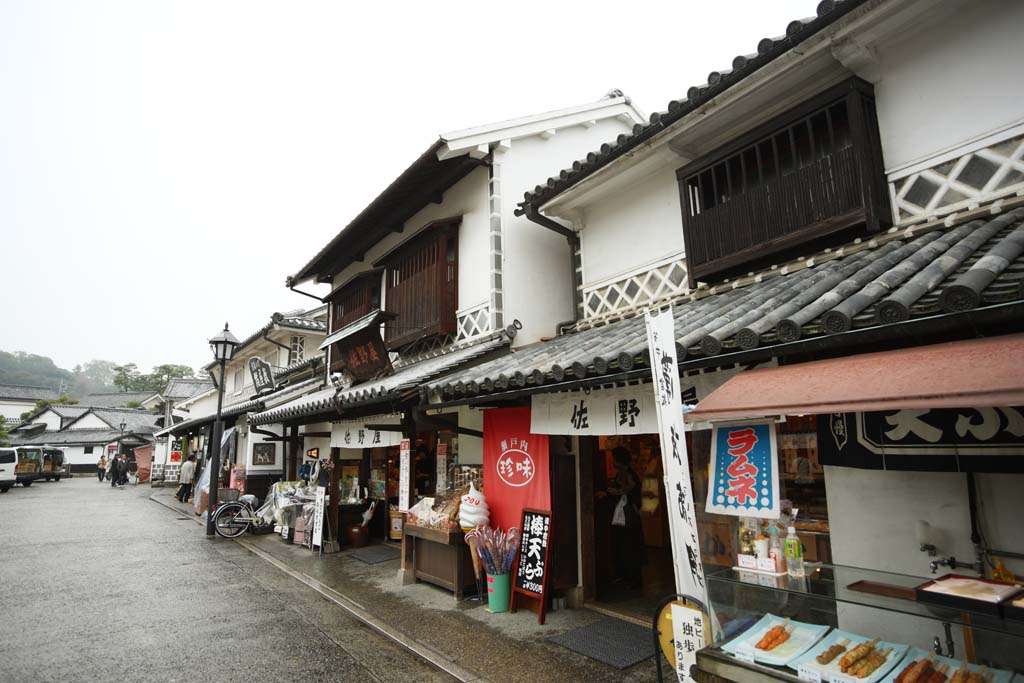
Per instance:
(610,641)
(374,554)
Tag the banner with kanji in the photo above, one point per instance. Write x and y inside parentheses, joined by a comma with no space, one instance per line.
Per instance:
(744,470)
(516,472)
(661,342)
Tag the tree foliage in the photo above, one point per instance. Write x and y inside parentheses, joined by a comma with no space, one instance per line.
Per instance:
(4,438)
(31,370)
(128,378)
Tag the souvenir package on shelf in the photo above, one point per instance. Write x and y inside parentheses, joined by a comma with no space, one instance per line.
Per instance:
(440,512)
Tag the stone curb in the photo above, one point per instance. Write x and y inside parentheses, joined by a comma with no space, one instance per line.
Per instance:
(424,652)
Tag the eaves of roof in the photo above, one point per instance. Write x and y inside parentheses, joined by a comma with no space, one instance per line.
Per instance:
(743,66)
(946,273)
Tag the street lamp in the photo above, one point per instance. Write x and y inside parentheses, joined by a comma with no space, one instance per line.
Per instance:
(223,346)
(120,438)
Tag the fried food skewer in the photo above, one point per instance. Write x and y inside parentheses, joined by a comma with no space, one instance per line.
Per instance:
(772,634)
(920,669)
(856,654)
(868,665)
(834,651)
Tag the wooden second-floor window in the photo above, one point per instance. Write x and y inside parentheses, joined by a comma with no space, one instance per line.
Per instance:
(421,285)
(811,172)
(355,299)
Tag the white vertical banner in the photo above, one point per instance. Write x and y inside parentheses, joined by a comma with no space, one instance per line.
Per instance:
(661,341)
(318,516)
(403,476)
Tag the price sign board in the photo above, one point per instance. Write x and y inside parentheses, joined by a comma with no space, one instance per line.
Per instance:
(809,673)
(745,653)
(403,475)
(532,566)
(442,469)
(688,636)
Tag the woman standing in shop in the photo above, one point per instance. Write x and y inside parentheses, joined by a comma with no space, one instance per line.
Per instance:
(627,530)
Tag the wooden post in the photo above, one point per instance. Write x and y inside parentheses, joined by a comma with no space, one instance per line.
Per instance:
(407,572)
(294,452)
(333,519)
(588,549)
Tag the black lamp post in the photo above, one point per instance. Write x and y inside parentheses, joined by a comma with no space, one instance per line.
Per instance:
(120,438)
(223,346)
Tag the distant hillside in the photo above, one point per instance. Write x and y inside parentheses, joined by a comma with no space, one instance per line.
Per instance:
(32,370)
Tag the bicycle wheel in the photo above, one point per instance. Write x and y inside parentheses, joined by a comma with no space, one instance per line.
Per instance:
(231,520)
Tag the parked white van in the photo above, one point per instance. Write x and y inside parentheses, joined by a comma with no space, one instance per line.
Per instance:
(8,461)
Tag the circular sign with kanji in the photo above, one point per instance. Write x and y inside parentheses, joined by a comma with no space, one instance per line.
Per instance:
(515,467)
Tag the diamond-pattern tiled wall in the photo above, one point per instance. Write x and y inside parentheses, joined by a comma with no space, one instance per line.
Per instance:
(660,282)
(978,176)
(474,322)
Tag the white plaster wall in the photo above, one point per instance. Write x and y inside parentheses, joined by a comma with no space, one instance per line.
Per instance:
(76,455)
(50,419)
(957,80)
(91,422)
(632,227)
(14,409)
(537,267)
(467,198)
(207,405)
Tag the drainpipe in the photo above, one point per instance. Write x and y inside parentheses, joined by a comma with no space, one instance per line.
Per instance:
(573,239)
(290,284)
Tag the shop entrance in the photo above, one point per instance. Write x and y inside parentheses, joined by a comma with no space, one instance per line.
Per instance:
(632,546)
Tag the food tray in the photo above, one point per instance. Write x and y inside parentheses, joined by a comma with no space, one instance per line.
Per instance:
(884,589)
(833,667)
(916,653)
(988,599)
(804,636)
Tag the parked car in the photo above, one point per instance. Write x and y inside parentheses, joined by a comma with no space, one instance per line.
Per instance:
(29,465)
(53,464)
(8,460)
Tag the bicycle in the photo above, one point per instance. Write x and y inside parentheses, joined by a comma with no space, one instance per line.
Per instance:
(235,518)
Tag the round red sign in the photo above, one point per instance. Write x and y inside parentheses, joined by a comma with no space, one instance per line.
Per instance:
(515,467)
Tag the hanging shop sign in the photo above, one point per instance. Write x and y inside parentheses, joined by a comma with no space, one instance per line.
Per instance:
(532,566)
(940,439)
(661,342)
(175,451)
(442,469)
(262,375)
(744,470)
(605,412)
(354,434)
(516,472)
(404,474)
(364,353)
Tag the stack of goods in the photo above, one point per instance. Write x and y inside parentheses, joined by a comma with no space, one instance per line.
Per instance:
(437,513)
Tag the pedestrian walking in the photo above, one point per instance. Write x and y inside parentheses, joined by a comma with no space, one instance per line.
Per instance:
(123,469)
(115,471)
(188,470)
(101,468)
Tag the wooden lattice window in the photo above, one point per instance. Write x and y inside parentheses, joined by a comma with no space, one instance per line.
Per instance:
(421,284)
(812,171)
(356,298)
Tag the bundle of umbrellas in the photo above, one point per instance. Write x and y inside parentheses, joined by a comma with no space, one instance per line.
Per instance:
(496,548)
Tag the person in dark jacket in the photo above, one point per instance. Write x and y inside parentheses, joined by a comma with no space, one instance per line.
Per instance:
(115,471)
(627,529)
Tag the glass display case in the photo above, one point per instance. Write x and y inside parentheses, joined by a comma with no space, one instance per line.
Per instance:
(809,628)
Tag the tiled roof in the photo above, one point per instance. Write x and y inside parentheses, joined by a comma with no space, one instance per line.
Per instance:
(135,420)
(182,388)
(380,390)
(905,274)
(115,399)
(768,49)
(22,392)
(77,436)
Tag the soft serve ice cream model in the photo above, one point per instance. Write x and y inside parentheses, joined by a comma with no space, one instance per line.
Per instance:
(473,510)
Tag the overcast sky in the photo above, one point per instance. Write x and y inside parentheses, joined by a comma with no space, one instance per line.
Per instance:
(165,165)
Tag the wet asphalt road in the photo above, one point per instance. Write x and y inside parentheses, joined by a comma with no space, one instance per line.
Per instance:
(100,584)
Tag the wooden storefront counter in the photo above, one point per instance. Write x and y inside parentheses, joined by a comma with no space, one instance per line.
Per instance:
(441,558)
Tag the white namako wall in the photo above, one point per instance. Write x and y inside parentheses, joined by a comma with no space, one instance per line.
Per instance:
(953,82)
(537,278)
(628,229)
(467,198)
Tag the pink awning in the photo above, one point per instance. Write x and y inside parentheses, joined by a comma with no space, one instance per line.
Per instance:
(977,373)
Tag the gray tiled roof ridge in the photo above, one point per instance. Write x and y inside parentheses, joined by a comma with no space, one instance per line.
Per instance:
(768,49)
(883,281)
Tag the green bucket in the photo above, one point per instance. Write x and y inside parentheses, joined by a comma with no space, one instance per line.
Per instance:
(498,592)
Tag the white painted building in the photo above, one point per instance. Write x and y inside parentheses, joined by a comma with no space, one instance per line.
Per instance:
(16,399)
(674,213)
